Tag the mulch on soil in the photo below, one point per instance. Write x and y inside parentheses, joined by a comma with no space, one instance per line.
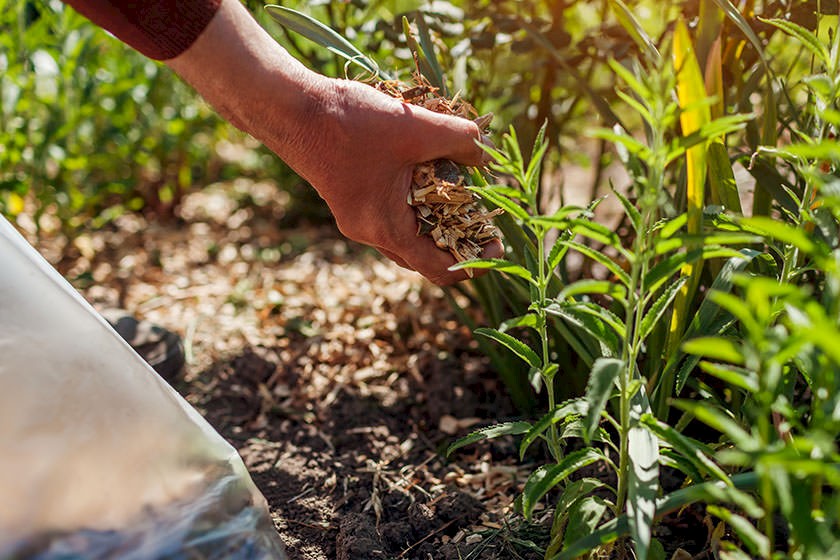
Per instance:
(339,377)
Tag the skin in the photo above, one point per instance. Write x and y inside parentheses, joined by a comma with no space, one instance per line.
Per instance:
(355,145)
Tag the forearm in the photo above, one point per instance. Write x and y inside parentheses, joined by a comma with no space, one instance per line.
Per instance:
(252,81)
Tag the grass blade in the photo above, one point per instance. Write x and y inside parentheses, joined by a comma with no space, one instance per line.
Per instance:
(323,35)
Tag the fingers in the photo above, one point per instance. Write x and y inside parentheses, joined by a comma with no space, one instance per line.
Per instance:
(440,136)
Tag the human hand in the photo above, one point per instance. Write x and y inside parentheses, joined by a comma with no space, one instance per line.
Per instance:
(359,153)
(355,145)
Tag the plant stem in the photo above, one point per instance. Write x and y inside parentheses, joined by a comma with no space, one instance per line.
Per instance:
(542,283)
(634,313)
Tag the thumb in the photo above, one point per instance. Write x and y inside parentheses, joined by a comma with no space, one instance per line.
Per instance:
(438,136)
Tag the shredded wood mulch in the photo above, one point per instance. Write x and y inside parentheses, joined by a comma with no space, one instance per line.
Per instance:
(338,376)
(446,210)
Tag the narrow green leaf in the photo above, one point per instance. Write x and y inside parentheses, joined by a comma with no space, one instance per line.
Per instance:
(630,24)
(500,265)
(808,39)
(735,16)
(321,34)
(695,452)
(781,231)
(631,211)
(574,407)
(725,238)
(643,451)
(746,531)
(527,320)
(509,192)
(516,346)
(601,381)
(659,307)
(502,202)
(716,348)
(722,178)
(735,376)
(557,253)
(584,517)
(589,286)
(670,266)
(605,336)
(548,476)
(491,432)
(597,232)
(532,173)
(632,145)
(428,48)
(721,422)
(599,258)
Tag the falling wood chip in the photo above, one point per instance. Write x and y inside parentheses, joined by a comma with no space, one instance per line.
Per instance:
(446,210)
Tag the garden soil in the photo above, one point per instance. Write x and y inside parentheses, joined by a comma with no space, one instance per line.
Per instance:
(339,377)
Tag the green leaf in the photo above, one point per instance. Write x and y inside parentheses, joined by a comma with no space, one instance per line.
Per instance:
(633,146)
(708,492)
(599,258)
(631,211)
(321,34)
(666,245)
(659,307)
(500,265)
(502,202)
(601,381)
(721,422)
(671,265)
(606,337)
(722,178)
(577,490)
(574,407)
(599,233)
(428,48)
(694,451)
(584,516)
(735,16)
(557,253)
(509,192)
(490,432)
(808,39)
(630,24)
(589,286)
(528,320)
(643,451)
(532,174)
(516,346)
(746,531)
(781,231)
(735,376)
(548,476)
(716,348)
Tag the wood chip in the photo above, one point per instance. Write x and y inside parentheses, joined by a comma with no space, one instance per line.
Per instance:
(446,210)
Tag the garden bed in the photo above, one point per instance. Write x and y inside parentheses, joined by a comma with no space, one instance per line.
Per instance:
(339,377)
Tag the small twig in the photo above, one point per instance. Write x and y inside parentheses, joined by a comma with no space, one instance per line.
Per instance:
(430,535)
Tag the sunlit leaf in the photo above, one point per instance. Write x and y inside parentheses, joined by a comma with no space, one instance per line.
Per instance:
(516,346)
(491,432)
(575,407)
(323,35)
(500,265)
(601,384)
(547,477)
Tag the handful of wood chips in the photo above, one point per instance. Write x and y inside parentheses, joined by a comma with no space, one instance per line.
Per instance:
(446,210)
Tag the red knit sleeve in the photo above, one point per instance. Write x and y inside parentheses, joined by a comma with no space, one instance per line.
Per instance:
(160,29)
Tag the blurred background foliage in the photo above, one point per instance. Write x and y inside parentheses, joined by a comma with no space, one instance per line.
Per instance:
(90,129)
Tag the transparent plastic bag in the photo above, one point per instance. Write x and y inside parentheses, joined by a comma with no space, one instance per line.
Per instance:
(99,457)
